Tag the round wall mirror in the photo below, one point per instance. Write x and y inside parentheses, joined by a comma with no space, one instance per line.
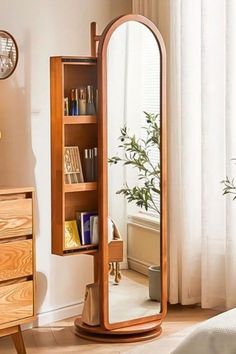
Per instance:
(8,54)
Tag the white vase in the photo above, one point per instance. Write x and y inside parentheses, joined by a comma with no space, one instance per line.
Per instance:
(154,273)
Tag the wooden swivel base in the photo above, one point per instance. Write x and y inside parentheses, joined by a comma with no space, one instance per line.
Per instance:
(135,333)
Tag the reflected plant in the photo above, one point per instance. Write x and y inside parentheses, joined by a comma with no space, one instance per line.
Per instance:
(136,153)
(229,186)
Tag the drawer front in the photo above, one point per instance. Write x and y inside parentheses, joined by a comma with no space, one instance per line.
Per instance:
(15,217)
(16,301)
(15,259)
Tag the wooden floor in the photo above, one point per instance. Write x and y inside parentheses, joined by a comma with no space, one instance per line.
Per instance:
(59,337)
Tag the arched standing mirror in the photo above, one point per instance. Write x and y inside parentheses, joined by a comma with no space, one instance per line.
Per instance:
(132,165)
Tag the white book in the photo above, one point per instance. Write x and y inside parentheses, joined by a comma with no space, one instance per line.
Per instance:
(94,229)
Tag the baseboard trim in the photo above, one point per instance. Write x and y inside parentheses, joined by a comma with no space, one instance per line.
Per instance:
(58,314)
(138,266)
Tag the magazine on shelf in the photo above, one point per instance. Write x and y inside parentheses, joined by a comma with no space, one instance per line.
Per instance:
(72,165)
(71,239)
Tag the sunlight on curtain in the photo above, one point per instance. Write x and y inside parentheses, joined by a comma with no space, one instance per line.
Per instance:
(202,116)
(201,143)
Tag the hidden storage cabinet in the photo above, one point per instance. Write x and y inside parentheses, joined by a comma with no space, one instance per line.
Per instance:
(17,262)
(67,130)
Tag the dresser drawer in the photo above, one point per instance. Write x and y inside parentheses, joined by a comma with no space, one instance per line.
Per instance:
(16,301)
(15,259)
(15,217)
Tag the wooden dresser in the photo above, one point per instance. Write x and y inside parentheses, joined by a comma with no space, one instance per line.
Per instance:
(17,263)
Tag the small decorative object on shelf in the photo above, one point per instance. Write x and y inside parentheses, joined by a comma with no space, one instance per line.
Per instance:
(90,103)
(73,169)
(66,106)
(72,239)
(82,101)
(74,102)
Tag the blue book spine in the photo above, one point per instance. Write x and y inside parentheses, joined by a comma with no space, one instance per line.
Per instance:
(85,227)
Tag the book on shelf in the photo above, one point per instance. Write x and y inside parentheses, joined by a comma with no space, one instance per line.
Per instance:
(94,230)
(84,225)
(94,235)
(72,165)
(91,164)
(71,239)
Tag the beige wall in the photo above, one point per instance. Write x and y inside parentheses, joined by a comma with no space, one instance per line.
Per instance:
(120,7)
(143,247)
(42,29)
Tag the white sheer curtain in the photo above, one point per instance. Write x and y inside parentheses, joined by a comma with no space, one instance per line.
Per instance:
(202,129)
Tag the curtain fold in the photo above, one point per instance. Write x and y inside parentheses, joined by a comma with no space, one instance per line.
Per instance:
(201,143)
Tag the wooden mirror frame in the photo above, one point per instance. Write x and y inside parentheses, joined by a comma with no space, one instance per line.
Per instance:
(103,175)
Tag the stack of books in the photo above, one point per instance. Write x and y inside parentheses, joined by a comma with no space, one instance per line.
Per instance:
(91,164)
(87,222)
(84,230)
(72,165)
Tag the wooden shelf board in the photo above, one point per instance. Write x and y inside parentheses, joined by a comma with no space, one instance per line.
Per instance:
(86,249)
(85,119)
(80,187)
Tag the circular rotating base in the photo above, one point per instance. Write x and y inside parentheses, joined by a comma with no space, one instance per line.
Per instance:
(135,333)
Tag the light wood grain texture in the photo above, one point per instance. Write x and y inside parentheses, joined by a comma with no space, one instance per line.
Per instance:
(16,259)
(59,337)
(93,33)
(80,187)
(18,341)
(80,119)
(16,301)
(17,263)
(15,217)
(7,191)
(8,331)
(103,179)
(21,321)
(115,249)
(12,196)
(57,146)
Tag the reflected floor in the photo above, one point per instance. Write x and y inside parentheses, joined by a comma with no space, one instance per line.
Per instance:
(130,299)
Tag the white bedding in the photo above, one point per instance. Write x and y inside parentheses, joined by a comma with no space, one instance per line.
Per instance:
(214,336)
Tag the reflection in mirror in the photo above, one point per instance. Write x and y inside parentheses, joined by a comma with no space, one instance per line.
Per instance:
(133,96)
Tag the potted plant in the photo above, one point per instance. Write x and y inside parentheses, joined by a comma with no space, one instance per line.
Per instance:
(229,186)
(136,152)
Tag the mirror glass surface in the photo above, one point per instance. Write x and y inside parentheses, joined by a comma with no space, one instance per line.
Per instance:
(8,54)
(133,88)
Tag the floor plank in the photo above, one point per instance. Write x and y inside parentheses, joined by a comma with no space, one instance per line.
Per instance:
(59,337)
